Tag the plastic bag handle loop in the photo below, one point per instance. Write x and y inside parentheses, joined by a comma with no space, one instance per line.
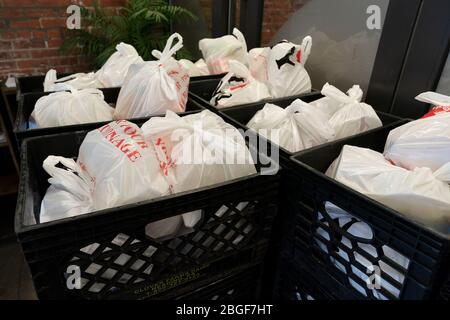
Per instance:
(306,49)
(434,98)
(170,50)
(336,94)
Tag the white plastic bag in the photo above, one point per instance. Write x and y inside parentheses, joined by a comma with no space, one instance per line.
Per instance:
(113,72)
(299,126)
(257,60)
(286,75)
(361,230)
(192,151)
(347,114)
(76,81)
(418,195)
(440,102)
(68,108)
(196,69)
(150,88)
(238,87)
(219,51)
(424,142)
(116,167)
(70,190)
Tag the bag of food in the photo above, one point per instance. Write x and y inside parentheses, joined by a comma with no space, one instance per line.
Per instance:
(76,81)
(238,87)
(152,87)
(71,107)
(219,51)
(196,69)
(257,60)
(114,163)
(300,126)
(286,73)
(347,114)
(419,195)
(113,72)
(424,142)
(195,151)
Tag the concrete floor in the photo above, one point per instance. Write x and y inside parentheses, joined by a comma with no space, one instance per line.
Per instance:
(15,277)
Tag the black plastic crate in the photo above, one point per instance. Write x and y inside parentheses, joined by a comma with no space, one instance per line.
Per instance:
(35,84)
(203,90)
(22,128)
(243,286)
(235,238)
(422,272)
(30,84)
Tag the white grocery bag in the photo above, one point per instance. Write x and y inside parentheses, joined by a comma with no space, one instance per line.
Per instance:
(70,191)
(361,230)
(196,69)
(286,73)
(195,151)
(238,87)
(257,60)
(419,195)
(76,81)
(71,107)
(424,142)
(152,87)
(113,72)
(298,127)
(347,114)
(219,51)
(117,165)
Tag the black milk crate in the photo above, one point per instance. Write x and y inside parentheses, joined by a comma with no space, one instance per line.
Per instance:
(30,84)
(23,128)
(242,286)
(208,77)
(411,259)
(234,232)
(203,90)
(297,282)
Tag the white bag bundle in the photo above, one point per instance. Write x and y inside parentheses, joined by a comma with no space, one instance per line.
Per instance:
(347,114)
(361,230)
(68,108)
(117,167)
(76,80)
(257,60)
(420,195)
(151,88)
(113,72)
(196,69)
(286,75)
(238,87)
(424,142)
(193,152)
(219,51)
(299,126)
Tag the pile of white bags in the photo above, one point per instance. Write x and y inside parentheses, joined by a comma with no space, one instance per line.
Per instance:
(115,166)
(424,142)
(299,126)
(150,88)
(196,69)
(238,87)
(219,51)
(120,164)
(111,74)
(286,73)
(302,125)
(71,107)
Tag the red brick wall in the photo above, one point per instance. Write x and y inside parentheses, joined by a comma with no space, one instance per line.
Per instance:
(31,32)
(276,13)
